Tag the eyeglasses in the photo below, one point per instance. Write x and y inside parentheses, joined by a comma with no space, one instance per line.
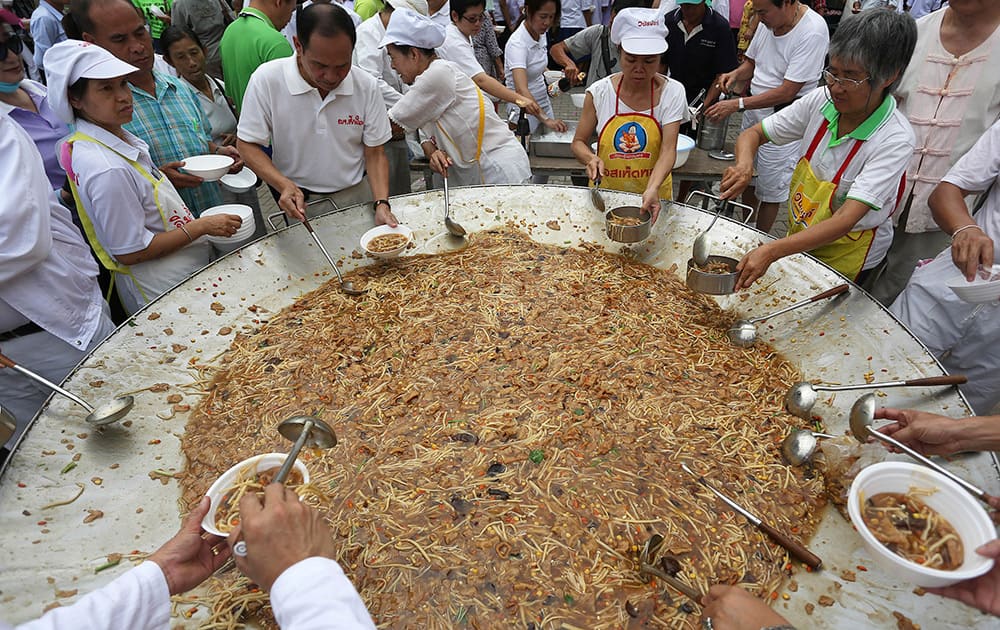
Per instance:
(474,19)
(847,84)
(13,44)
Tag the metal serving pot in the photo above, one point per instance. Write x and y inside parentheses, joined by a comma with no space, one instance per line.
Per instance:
(627,233)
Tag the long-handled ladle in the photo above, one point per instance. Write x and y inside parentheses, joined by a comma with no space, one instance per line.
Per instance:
(744,332)
(802,396)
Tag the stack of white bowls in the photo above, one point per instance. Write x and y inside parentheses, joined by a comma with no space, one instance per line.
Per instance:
(226,244)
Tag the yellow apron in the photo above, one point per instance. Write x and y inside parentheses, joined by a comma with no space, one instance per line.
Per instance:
(173,213)
(629,145)
(461,159)
(809,203)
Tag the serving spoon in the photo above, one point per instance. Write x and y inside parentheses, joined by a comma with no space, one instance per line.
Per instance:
(453,228)
(802,396)
(346,287)
(109,412)
(703,243)
(595,195)
(800,445)
(744,333)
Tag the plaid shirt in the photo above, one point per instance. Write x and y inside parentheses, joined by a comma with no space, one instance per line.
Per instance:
(174,126)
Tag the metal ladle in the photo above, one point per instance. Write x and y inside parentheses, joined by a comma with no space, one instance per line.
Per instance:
(346,287)
(109,412)
(802,396)
(862,417)
(304,431)
(595,195)
(453,228)
(703,243)
(744,333)
(800,445)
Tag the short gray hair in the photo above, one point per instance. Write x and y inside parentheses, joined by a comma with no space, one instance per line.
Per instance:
(879,40)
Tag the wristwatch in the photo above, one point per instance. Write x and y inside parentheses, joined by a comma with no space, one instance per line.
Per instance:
(740,107)
(378,202)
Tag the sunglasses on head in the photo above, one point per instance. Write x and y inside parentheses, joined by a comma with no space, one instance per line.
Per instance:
(13,44)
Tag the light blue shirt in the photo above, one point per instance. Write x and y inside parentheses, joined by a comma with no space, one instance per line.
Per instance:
(46,30)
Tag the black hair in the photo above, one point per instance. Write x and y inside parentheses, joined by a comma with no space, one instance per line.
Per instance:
(461,6)
(620,5)
(78,20)
(77,90)
(781,3)
(173,34)
(534,6)
(326,20)
(405,49)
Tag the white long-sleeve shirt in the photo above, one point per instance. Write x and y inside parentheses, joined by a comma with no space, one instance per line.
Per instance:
(313,594)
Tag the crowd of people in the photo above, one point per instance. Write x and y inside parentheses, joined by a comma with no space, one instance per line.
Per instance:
(882,140)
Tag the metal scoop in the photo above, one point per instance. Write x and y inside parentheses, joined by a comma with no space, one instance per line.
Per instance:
(109,412)
(453,228)
(595,195)
(800,445)
(862,417)
(346,287)
(703,243)
(304,431)
(802,396)
(743,333)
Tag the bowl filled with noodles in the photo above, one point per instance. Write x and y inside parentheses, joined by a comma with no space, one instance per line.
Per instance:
(919,525)
(249,476)
(386,242)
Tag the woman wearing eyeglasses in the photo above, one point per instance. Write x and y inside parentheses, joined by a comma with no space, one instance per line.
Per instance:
(856,146)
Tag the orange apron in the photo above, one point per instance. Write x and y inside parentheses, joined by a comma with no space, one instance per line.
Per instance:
(809,203)
(629,145)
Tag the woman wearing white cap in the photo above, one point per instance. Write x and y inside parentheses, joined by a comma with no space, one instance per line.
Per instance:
(131,213)
(465,136)
(637,112)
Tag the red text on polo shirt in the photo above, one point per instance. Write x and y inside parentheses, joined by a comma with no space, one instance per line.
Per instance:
(351,120)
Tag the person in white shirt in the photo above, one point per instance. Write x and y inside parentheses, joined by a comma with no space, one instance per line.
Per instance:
(324,123)
(292,27)
(855,145)
(373,59)
(467,18)
(719,6)
(784,62)
(51,310)
(440,12)
(289,554)
(526,58)
(466,140)
(920,8)
(132,215)
(576,16)
(636,112)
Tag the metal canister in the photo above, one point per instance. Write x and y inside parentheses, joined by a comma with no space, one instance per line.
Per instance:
(712,133)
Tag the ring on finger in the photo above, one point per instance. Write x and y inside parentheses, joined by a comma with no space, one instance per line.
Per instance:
(706,623)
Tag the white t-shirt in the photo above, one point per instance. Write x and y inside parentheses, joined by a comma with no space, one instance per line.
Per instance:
(317,142)
(375,61)
(216,109)
(873,175)
(672,106)
(457,48)
(443,15)
(522,51)
(444,104)
(977,170)
(797,56)
(572,13)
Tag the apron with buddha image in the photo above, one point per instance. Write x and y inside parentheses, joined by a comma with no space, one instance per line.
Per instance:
(809,203)
(629,145)
(143,282)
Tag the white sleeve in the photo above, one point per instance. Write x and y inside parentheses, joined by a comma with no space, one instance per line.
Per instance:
(806,56)
(25,202)
(137,600)
(673,104)
(465,59)
(377,129)
(757,43)
(255,114)
(311,593)
(980,167)
(113,202)
(878,182)
(515,55)
(430,96)
(791,123)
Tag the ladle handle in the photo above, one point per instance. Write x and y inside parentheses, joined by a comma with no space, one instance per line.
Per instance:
(326,254)
(951,379)
(7,362)
(794,547)
(882,437)
(447,201)
(829,293)
(692,593)
(294,453)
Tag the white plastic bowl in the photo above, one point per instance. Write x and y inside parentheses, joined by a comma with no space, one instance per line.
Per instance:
(980,290)
(240,182)
(259,463)
(246,229)
(208,167)
(684,146)
(578,99)
(552,76)
(385,229)
(956,505)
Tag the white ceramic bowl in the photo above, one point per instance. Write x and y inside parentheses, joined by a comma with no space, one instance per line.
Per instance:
(385,229)
(684,146)
(980,290)
(208,167)
(246,229)
(258,463)
(578,99)
(240,182)
(957,506)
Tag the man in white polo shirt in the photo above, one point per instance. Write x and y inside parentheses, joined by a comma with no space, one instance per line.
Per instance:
(325,124)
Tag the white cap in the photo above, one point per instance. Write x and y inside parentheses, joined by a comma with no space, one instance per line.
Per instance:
(640,31)
(409,28)
(420,6)
(72,60)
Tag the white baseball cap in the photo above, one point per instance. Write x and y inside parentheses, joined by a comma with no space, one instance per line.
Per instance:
(72,60)
(640,31)
(409,28)
(420,6)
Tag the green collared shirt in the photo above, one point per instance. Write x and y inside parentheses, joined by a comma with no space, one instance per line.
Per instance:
(865,130)
(248,42)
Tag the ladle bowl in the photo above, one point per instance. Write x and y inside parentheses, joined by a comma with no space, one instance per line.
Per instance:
(744,332)
(453,228)
(304,431)
(595,195)
(800,445)
(802,396)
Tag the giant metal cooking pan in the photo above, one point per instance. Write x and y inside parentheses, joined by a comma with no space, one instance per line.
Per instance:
(140,512)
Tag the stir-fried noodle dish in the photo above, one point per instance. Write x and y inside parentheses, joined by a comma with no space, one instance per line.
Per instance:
(911,529)
(250,480)
(512,417)
(386,243)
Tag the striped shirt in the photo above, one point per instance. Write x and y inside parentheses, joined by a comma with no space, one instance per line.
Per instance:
(174,126)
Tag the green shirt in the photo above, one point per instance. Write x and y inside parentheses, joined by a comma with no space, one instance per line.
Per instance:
(156,25)
(248,42)
(368,8)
